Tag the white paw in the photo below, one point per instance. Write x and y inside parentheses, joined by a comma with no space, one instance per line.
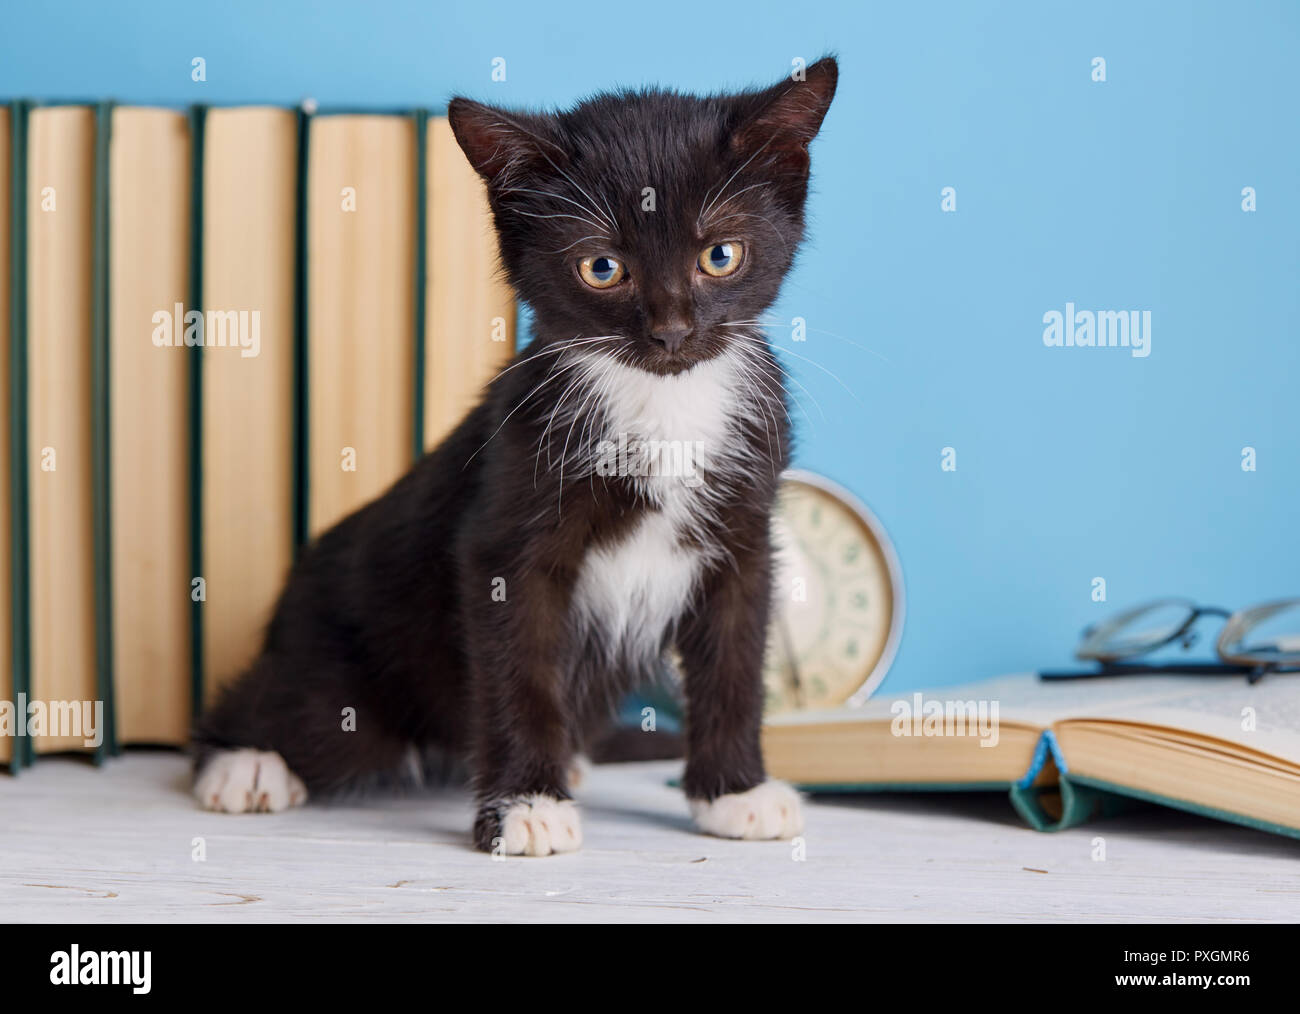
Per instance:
(248,781)
(769,810)
(539,825)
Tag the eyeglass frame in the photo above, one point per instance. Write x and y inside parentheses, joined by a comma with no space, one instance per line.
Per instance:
(1232,662)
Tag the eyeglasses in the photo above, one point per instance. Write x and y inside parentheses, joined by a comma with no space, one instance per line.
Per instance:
(1254,641)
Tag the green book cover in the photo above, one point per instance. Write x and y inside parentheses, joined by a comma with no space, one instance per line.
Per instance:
(421,117)
(300,472)
(1138,796)
(100,425)
(196,117)
(20,660)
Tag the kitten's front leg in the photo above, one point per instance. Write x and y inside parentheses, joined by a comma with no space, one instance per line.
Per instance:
(722,642)
(523,740)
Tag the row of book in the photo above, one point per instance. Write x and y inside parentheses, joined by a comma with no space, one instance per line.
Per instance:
(221,330)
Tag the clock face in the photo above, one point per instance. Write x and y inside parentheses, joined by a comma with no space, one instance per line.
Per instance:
(837,602)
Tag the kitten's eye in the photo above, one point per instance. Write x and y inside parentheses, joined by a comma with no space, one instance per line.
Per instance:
(602,272)
(721,259)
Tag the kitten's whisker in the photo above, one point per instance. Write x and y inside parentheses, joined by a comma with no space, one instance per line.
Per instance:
(780,398)
(552,350)
(592,399)
(581,239)
(545,438)
(778,324)
(752,186)
(617,357)
(819,366)
(576,218)
(589,429)
(760,351)
(564,453)
(723,190)
(590,382)
(820,411)
(613,224)
(575,383)
(560,197)
(522,401)
(743,373)
(756,324)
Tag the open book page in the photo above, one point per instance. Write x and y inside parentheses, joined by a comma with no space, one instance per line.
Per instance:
(1264,716)
(1028,698)
(1020,697)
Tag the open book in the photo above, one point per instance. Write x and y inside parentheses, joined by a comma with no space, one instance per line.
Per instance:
(1213,745)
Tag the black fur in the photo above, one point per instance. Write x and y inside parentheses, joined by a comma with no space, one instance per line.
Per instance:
(391,611)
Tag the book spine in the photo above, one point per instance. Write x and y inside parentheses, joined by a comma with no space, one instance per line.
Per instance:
(197,116)
(1065,802)
(1034,799)
(301,474)
(1068,804)
(23,753)
(1046,747)
(101,421)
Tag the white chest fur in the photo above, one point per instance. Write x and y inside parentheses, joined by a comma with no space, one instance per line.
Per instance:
(675,437)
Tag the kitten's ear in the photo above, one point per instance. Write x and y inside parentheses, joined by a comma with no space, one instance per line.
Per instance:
(494,140)
(783,119)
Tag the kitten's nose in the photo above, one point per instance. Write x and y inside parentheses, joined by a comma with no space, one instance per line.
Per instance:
(671,336)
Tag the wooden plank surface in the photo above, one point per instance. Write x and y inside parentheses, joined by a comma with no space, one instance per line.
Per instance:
(116,845)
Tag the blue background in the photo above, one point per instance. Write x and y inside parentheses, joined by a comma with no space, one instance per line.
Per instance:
(1072,463)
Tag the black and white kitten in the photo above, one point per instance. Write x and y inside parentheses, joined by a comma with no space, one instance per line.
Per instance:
(608,500)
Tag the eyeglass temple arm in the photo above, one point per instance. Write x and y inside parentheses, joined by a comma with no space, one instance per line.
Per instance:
(1197,613)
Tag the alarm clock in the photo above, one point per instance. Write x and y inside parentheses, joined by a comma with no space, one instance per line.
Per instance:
(837,603)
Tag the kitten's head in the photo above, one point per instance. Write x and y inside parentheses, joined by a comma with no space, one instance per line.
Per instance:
(662,220)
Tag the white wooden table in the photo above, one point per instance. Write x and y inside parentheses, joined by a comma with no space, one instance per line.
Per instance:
(117,844)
